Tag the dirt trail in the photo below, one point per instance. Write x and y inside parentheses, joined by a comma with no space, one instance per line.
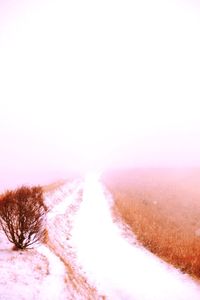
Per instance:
(60,224)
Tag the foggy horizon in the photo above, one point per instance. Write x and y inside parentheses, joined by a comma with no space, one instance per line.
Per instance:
(97,86)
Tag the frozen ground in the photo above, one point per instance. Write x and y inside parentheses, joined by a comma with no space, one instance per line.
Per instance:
(48,272)
(86,251)
(32,274)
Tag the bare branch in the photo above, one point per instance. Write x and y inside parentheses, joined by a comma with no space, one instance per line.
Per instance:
(22,216)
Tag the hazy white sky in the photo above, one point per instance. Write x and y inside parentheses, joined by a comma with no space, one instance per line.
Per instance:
(87,84)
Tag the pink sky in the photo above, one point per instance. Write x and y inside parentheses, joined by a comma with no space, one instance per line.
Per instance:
(90,85)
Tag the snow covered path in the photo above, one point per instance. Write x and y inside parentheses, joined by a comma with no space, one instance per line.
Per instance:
(54,286)
(119,269)
(65,279)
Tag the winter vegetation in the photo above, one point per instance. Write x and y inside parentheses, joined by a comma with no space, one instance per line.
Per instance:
(38,221)
(162,208)
(22,216)
(117,263)
(84,249)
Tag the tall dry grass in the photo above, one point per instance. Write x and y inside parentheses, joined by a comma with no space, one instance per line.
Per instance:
(162,208)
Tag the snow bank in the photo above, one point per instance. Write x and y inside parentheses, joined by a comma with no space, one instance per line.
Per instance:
(22,274)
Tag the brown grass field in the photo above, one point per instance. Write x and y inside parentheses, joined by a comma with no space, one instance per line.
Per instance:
(162,208)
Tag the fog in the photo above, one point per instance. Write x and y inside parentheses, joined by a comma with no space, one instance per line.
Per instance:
(92,85)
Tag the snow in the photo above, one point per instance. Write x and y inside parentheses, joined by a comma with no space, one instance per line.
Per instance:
(120,269)
(64,198)
(54,285)
(85,243)
(39,273)
(22,274)
(64,204)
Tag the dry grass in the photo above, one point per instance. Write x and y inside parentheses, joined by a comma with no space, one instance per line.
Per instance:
(53,186)
(162,208)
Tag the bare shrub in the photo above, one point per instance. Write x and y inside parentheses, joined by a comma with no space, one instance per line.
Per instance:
(22,216)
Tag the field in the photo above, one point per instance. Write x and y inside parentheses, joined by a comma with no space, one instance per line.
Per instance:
(162,209)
